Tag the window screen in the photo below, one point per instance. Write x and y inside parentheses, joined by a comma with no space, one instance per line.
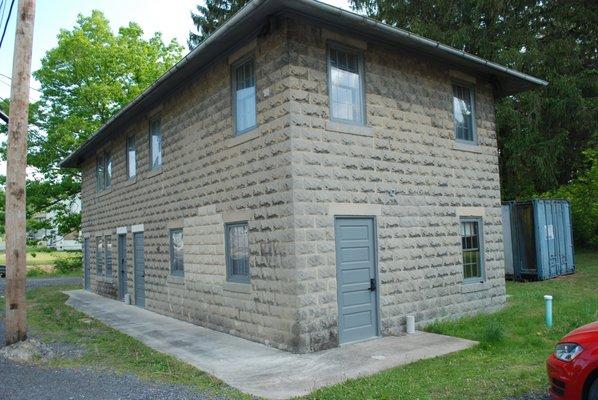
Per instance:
(471,245)
(245,97)
(108,253)
(346,97)
(463,113)
(104,171)
(176,252)
(99,255)
(131,157)
(155,143)
(237,252)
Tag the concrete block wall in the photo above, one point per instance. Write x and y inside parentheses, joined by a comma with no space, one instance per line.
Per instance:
(405,168)
(290,177)
(209,176)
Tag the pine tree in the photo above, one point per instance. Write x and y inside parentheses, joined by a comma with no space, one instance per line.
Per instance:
(210,17)
(542,134)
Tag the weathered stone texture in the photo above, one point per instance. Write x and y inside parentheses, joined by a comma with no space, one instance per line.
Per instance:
(408,150)
(287,179)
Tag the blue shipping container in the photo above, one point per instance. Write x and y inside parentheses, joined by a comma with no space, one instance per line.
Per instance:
(541,245)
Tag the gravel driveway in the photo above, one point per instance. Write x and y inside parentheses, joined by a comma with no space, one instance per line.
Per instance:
(28,381)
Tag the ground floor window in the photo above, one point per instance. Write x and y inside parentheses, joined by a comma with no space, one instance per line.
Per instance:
(472,245)
(99,255)
(237,252)
(176,252)
(108,255)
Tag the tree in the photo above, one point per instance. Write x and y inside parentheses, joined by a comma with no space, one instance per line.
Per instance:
(210,17)
(90,75)
(542,134)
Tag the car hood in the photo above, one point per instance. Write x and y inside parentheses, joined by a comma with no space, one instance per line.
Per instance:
(584,334)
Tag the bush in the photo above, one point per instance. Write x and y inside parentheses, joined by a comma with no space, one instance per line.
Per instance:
(68,264)
(36,272)
(583,195)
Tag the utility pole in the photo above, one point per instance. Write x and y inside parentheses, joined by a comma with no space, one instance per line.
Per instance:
(16,316)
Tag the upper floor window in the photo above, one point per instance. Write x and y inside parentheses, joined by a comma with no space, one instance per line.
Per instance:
(237,252)
(345,75)
(131,157)
(463,113)
(472,247)
(176,252)
(244,96)
(104,171)
(155,143)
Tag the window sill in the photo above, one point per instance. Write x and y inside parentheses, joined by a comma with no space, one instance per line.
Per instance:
(175,279)
(104,192)
(474,286)
(469,147)
(131,181)
(237,287)
(155,172)
(245,137)
(341,127)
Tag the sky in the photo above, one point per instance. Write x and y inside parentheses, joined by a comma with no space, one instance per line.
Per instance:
(171,17)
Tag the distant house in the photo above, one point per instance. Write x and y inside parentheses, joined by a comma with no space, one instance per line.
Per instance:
(49,236)
(304,178)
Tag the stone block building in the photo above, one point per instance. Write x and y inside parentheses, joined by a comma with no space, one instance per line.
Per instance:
(304,178)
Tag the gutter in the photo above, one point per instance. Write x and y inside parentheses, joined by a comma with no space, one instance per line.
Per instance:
(424,42)
(321,11)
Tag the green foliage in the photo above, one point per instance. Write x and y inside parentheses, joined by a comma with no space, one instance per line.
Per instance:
(88,77)
(210,16)
(68,264)
(36,272)
(542,133)
(583,195)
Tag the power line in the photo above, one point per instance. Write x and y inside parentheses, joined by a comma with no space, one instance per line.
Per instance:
(30,87)
(12,3)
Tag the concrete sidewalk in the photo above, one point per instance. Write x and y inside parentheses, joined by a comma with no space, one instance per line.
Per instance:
(255,368)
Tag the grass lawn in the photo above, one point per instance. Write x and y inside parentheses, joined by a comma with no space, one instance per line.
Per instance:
(509,361)
(514,344)
(41,263)
(53,321)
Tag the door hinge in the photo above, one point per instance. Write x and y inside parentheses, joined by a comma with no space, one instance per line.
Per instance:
(372,284)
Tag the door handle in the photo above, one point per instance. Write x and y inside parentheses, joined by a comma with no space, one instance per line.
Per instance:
(372,284)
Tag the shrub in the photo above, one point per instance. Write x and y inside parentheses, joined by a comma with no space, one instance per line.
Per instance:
(68,264)
(36,272)
(583,195)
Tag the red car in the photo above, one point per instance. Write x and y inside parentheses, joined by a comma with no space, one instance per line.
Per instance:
(573,367)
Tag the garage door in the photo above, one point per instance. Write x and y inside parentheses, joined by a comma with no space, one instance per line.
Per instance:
(356,278)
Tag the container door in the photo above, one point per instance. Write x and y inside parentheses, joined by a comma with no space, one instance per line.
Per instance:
(568,237)
(506,238)
(122,266)
(139,266)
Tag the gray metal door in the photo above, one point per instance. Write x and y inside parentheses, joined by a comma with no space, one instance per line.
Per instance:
(122,266)
(86,264)
(356,278)
(139,264)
